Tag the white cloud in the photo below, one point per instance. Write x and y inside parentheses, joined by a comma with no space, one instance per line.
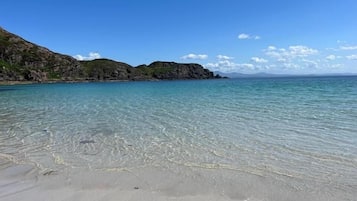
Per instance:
(282,60)
(258,60)
(223,57)
(229,66)
(348,47)
(276,54)
(195,56)
(310,63)
(244,36)
(271,48)
(352,57)
(290,66)
(224,63)
(296,51)
(331,57)
(246,65)
(301,51)
(295,57)
(91,56)
(336,66)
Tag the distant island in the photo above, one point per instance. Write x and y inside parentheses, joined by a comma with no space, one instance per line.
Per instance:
(270,75)
(23,61)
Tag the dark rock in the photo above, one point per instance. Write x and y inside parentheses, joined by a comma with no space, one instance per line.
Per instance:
(50,172)
(105,69)
(87,142)
(21,60)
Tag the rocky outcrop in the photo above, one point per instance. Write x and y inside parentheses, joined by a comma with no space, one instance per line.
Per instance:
(105,69)
(171,71)
(21,60)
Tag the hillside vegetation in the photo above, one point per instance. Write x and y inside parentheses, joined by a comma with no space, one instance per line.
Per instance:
(21,60)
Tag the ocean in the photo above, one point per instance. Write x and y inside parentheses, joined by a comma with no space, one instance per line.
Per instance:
(291,138)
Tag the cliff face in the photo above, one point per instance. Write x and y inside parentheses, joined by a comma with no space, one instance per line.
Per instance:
(172,70)
(105,69)
(21,60)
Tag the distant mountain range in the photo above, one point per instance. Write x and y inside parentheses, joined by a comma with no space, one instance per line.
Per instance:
(267,75)
(21,60)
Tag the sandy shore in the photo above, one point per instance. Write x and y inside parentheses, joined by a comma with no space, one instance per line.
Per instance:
(25,182)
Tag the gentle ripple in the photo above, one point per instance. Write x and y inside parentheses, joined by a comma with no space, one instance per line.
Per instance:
(295,130)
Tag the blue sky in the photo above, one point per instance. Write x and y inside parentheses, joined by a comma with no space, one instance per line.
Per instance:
(246,36)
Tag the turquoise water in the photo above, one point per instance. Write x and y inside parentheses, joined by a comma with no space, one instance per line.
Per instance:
(300,132)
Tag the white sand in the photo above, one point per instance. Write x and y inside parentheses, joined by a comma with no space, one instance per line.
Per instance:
(24,182)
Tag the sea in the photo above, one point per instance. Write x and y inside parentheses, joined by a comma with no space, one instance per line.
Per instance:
(286,138)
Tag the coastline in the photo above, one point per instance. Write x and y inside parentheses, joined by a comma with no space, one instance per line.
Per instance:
(10,83)
(179,141)
(25,182)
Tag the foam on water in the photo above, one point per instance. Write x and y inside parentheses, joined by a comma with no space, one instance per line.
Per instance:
(296,132)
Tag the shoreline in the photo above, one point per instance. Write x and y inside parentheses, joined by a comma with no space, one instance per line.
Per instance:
(10,83)
(25,182)
(195,140)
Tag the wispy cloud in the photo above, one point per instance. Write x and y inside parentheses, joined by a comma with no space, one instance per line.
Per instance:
(195,56)
(348,47)
(310,63)
(244,36)
(297,58)
(258,60)
(229,66)
(291,52)
(223,57)
(91,56)
(336,66)
(331,57)
(294,57)
(301,51)
(352,57)
(271,48)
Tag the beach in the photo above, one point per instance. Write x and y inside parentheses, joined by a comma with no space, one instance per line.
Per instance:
(21,182)
(246,139)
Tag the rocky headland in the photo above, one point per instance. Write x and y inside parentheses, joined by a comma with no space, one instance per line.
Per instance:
(23,61)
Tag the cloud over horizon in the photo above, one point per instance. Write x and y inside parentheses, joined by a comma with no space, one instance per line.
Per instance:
(331,57)
(294,57)
(294,51)
(91,56)
(195,56)
(352,57)
(223,57)
(229,66)
(290,59)
(348,47)
(259,60)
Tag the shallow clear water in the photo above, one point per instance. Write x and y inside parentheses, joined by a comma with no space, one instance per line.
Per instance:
(298,131)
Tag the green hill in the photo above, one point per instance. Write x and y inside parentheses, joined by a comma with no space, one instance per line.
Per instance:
(21,60)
